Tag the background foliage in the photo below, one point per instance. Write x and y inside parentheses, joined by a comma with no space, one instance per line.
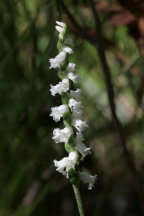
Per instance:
(29,184)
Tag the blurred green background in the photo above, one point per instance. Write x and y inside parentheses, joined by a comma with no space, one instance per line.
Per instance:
(29,184)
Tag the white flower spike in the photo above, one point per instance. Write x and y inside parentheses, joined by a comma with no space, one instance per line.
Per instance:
(71,110)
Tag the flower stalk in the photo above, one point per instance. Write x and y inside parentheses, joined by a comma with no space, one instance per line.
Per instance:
(78,199)
(71,111)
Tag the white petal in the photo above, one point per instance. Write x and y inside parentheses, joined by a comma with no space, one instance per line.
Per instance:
(60,87)
(79,137)
(71,67)
(82,149)
(63,108)
(75,105)
(58,60)
(67,163)
(68,50)
(54,63)
(61,56)
(61,24)
(73,156)
(79,125)
(73,77)
(62,135)
(57,112)
(86,178)
(75,94)
(61,165)
(76,108)
(59,29)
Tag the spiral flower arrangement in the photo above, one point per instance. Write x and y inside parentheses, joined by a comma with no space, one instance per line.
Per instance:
(71,111)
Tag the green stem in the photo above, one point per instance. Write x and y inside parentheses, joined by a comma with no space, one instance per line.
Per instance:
(78,199)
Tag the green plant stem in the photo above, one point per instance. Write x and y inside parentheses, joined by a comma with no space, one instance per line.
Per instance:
(78,199)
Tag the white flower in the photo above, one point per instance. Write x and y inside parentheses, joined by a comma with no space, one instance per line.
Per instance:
(60,27)
(58,60)
(79,125)
(80,146)
(73,77)
(60,87)
(54,63)
(82,149)
(61,56)
(71,67)
(79,137)
(60,30)
(67,163)
(68,50)
(63,25)
(75,106)
(57,112)
(62,135)
(75,94)
(86,178)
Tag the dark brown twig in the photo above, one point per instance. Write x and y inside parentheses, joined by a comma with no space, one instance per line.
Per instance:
(110,93)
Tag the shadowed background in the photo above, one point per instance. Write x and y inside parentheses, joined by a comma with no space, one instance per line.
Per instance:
(109,48)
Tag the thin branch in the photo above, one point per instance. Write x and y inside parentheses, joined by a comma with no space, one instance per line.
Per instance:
(110,93)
